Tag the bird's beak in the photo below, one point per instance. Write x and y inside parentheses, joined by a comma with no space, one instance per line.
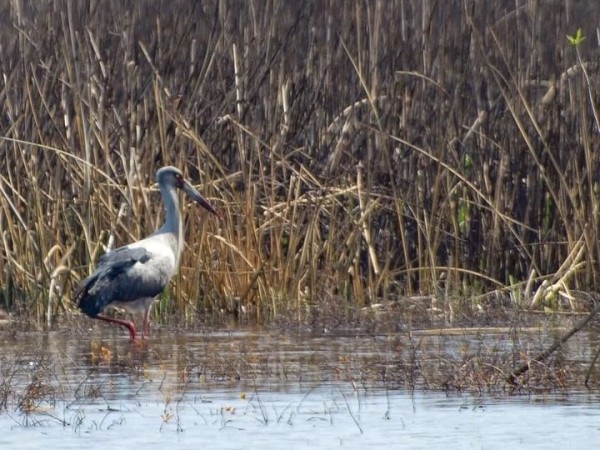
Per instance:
(195,195)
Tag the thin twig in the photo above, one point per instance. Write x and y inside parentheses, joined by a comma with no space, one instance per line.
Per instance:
(512,378)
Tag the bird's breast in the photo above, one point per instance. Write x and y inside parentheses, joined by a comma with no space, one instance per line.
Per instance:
(162,253)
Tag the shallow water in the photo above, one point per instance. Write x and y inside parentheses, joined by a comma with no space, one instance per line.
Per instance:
(236,390)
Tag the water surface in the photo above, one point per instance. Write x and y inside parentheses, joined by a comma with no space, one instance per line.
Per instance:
(243,389)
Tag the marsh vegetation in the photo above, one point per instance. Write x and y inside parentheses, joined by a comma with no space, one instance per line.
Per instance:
(413,156)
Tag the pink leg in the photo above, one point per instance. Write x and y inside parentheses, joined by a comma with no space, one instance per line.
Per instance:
(124,323)
(146,327)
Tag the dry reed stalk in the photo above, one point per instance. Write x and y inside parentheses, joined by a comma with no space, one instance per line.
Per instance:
(479,150)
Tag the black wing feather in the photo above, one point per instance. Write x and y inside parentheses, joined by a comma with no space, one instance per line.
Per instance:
(116,280)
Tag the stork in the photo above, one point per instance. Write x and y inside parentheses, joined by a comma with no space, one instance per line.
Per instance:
(132,276)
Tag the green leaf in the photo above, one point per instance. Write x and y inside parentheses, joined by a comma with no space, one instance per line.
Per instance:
(577,38)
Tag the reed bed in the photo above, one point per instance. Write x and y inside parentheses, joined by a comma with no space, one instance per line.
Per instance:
(362,153)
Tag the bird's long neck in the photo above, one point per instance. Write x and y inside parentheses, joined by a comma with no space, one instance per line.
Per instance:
(173,225)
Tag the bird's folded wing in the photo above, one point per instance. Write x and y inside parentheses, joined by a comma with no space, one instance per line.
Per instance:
(126,274)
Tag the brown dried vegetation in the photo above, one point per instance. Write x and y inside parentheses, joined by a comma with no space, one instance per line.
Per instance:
(361,152)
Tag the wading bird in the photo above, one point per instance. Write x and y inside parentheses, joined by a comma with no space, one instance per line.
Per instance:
(132,276)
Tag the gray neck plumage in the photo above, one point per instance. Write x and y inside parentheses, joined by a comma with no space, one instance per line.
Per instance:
(173,226)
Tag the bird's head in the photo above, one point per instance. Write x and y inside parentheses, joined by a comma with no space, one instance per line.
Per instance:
(170,176)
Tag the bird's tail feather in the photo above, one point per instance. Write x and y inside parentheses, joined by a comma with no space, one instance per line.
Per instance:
(86,300)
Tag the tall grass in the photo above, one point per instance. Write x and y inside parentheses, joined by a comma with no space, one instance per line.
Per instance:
(360,152)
